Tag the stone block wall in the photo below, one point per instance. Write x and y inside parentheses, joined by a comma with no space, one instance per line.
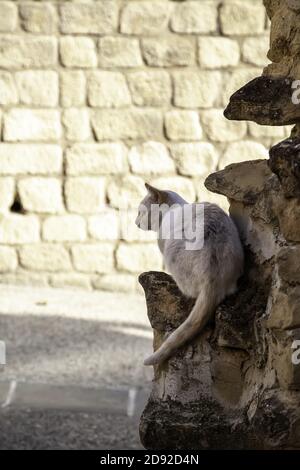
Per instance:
(95,98)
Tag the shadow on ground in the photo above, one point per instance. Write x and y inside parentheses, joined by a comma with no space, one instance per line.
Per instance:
(66,430)
(75,351)
(89,348)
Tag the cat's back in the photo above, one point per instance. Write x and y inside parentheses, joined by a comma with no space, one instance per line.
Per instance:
(205,218)
(217,223)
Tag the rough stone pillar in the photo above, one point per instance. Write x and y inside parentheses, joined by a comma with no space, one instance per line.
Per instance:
(236,385)
(268,99)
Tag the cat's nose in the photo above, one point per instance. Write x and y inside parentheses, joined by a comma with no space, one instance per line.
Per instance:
(137,222)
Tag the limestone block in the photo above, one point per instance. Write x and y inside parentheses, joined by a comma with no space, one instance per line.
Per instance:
(42,195)
(165,52)
(150,88)
(195,17)
(131,124)
(183,125)
(243,151)
(85,195)
(70,280)
(72,88)
(150,158)
(30,159)
(104,226)
(7,193)
(115,282)
(179,184)
(8,17)
(218,129)
(119,52)
(238,17)
(126,192)
(8,90)
(96,159)
(284,309)
(38,88)
(18,52)
(145,18)
(76,124)
(136,257)
(78,51)
(8,259)
(45,257)
(108,90)
(195,159)
(89,17)
(37,18)
(18,229)
(218,52)
(64,228)
(288,264)
(31,124)
(93,258)
(196,89)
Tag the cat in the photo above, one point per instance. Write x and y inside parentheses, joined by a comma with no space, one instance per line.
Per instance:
(207,272)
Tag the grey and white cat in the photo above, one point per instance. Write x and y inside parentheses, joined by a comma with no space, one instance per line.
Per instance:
(208,274)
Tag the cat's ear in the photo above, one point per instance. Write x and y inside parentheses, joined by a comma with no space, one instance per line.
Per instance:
(159,195)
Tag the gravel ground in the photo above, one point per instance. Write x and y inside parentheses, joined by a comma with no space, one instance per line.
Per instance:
(72,338)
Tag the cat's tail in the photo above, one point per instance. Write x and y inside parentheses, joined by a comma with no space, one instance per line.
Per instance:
(202,311)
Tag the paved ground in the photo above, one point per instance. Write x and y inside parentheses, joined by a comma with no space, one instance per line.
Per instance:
(66,430)
(74,376)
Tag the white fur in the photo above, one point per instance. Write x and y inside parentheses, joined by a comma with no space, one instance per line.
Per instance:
(208,274)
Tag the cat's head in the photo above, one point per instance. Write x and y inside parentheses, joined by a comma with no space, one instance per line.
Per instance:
(151,208)
(154,205)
